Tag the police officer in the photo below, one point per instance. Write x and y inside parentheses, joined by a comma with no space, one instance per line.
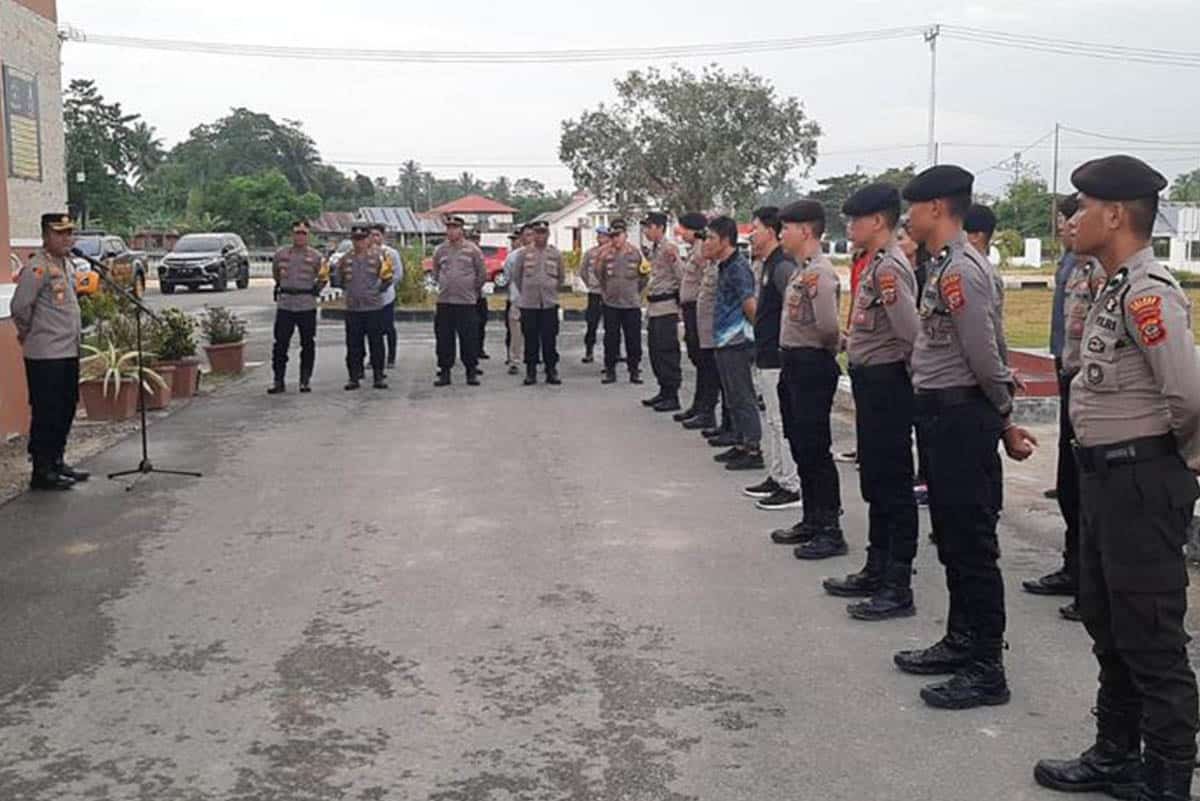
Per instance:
(980,224)
(300,272)
(46,313)
(595,307)
(1077,283)
(963,403)
(622,280)
(364,274)
(459,273)
(1135,405)
(388,316)
(537,275)
(474,237)
(514,340)
(701,413)
(883,327)
(662,331)
(808,338)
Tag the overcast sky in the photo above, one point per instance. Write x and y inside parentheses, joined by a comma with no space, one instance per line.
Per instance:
(867,97)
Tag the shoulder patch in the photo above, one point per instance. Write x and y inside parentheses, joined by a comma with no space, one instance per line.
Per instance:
(1147,316)
(952,289)
(812,283)
(887,287)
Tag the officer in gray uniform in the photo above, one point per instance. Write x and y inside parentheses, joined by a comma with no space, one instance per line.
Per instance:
(300,272)
(808,344)
(1135,405)
(459,273)
(662,293)
(364,274)
(963,402)
(46,314)
(595,307)
(883,328)
(700,414)
(980,224)
(537,275)
(621,282)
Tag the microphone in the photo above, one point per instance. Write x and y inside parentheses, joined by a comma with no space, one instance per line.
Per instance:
(94,262)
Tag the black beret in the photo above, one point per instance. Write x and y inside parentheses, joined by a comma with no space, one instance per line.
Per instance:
(1068,205)
(58,221)
(694,221)
(872,199)
(980,220)
(944,180)
(655,218)
(802,211)
(617,226)
(1118,178)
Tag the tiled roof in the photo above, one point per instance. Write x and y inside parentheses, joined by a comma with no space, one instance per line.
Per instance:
(474,204)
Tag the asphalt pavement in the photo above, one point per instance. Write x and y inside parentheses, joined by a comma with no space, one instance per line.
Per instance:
(477,594)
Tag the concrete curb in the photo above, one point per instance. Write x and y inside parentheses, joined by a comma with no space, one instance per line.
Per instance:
(426,315)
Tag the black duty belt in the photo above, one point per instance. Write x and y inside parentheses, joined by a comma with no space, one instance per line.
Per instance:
(872,372)
(283,290)
(947,398)
(1101,457)
(665,296)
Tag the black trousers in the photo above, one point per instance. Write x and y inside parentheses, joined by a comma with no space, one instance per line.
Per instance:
(484,315)
(540,329)
(662,338)
(364,332)
(457,322)
(1067,482)
(507,330)
(53,395)
(1133,597)
(883,402)
(965,497)
(286,323)
(807,383)
(593,316)
(618,323)
(389,330)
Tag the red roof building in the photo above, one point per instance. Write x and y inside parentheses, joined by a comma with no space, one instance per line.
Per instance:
(474,204)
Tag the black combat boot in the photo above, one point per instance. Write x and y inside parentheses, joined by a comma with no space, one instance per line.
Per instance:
(74,473)
(669,402)
(651,402)
(700,422)
(589,355)
(610,376)
(862,584)
(980,683)
(827,540)
(351,385)
(894,598)
(530,375)
(443,379)
(947,655)
(1166,780)
(552,376)
(726,439)
(305,381)
(45,477)
(472,378)
(1071,612)
(1113,765)
(1057,583)
(798,534)
(379,380)
(635,377)
(685,415)
(277,387)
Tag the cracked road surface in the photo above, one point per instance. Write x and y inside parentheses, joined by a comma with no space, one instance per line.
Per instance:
(480,595)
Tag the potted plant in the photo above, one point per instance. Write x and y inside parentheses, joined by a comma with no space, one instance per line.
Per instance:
(226,335)
(108,382)
(174,340)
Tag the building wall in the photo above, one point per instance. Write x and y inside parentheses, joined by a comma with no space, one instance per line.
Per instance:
(14,403)
(29,43)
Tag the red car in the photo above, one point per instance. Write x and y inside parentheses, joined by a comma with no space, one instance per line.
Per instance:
(493,260)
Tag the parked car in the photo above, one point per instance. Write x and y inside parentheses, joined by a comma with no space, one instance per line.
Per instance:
(205,260)
(126,267)
(493,260)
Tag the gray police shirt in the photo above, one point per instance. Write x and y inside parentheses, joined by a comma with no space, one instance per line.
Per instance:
(884,322)
(459,272)
(297,274)
(45,309)
(537,275)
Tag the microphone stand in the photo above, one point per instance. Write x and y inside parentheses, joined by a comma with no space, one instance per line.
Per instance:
(139,308)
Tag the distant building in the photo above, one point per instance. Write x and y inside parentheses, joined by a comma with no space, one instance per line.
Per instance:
(478,212)
(573,227)
(1177,235)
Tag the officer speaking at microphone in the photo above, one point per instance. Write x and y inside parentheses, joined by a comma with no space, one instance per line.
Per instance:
(1135,407)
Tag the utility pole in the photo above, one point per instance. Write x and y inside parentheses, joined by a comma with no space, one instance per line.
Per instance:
(931,36)
(1054,188)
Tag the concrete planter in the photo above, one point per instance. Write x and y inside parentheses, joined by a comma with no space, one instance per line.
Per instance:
(159,397)
(229,358)
(185,378)
(116,406)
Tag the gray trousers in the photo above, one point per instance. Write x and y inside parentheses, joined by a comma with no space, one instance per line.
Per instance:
(737,379)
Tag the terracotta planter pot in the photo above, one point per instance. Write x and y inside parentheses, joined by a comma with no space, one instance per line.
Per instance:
(186,379)
(120,405)
(160,397)
(229,358)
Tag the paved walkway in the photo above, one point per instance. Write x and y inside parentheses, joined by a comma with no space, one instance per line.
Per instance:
(476,595)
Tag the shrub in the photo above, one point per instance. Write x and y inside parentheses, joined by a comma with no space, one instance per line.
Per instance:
(221,326)
(174,337)
(115,366)
(411,290)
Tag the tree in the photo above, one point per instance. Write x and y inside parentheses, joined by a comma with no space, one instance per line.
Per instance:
(467,184)
(501,189)
(1026,208)
(412,185)
(364,187)
(687,141)
(836,189)
(262,206)
(1186,188)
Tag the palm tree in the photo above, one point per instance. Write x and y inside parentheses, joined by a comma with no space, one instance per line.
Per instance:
(412,183)
(468,184)
(143,151)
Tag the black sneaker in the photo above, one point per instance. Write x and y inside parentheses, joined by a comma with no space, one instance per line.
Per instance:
(552,377)
(1071,612)
(379,383)
(473,379)
(699,423)
(764,489)
(50,481)
(443,379)
(74,473)
(483,354)
(978,684)
(351,385)
(713,431)
(277,388)
(725,457)
(610,377)
(781,500)
(305,388)
(747,460)
(948,655)
(1057,583)
(686,414)
(635,377)
(726,440)
(666,405)
(650,402)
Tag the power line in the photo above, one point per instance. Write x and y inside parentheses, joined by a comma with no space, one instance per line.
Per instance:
(1065,47)
(1130,138)
(1006,164)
